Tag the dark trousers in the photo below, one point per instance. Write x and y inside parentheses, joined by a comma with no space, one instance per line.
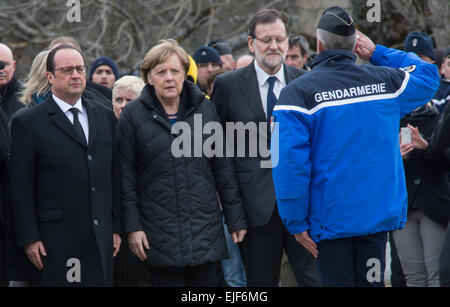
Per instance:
(353,262)
(262,251)
(444,260)
(199,276)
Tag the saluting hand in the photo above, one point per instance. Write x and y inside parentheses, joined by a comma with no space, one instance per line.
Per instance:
(364,46)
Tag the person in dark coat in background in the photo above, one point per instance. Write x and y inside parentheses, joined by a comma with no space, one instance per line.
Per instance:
(440,141)
(4,172)
(102,75)
(169,204)
(419,242)
(9,85)
(62,151)
(442,96)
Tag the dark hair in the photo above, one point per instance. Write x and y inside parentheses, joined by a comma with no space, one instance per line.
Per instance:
(301,42)
(267,16)
(51,56)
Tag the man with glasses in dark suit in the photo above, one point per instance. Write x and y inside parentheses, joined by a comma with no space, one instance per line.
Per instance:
(248,95)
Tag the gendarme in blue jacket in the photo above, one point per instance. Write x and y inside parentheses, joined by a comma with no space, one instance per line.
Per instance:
(340,172)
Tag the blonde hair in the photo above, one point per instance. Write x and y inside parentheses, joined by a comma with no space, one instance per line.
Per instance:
(160,53)
(36,82)
(128,82)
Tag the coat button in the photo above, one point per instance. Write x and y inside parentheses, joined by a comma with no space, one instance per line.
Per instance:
(89,157)
(96,222)
(93,189)
(417,181)
(154,116)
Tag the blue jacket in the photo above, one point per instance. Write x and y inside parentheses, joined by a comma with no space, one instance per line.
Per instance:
(340,172)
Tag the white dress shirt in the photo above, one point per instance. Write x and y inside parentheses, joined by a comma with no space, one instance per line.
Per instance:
(263,84)
(82,115)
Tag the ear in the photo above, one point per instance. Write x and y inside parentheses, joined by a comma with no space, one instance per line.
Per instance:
(50,77)
(319,47)
(250,44)
(14,65)
(150,79)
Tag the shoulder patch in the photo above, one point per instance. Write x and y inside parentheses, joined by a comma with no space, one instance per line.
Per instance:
(409,69)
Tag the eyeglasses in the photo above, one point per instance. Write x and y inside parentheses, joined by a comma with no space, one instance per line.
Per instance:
(69,70)
(267,40)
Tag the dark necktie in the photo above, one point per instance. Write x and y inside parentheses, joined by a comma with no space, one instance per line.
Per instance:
(77,125)
(271,98)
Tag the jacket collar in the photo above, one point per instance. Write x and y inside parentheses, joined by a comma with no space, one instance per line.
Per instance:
(333,56)
(11,86)
(194,96)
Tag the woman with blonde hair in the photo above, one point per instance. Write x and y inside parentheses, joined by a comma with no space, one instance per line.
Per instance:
(36,88)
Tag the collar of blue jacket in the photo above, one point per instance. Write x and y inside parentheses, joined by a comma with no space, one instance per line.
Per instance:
(333,56)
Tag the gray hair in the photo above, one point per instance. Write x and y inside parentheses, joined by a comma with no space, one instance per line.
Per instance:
(129,82)
(331,41)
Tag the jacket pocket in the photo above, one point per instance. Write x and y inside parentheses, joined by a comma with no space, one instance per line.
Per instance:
(244,177)
(50,215)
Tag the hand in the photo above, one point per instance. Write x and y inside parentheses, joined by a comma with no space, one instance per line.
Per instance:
(239,235)
(34,252)
(364,46)
(305,240)
(416,139)
(117,241)
(137,240)
(405,149)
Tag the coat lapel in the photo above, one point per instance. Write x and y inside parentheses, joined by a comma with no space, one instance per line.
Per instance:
(91,111)
(250,90)
(61,120)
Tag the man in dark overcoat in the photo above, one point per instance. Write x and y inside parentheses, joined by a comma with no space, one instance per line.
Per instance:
(63,187)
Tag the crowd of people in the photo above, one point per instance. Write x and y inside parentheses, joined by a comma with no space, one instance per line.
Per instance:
(91,193)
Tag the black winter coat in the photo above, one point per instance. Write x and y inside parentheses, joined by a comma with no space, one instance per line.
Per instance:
(4,153)
(174,200)
(426,170)
(9,100)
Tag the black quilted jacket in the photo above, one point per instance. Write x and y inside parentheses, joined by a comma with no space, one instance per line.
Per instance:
(174,200)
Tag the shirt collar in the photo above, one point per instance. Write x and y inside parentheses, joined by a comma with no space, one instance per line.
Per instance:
(262,76)
(64,106)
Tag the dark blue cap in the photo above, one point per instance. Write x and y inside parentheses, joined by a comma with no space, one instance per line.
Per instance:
(420,43)
(337,21)
(206,54)
(104,60)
